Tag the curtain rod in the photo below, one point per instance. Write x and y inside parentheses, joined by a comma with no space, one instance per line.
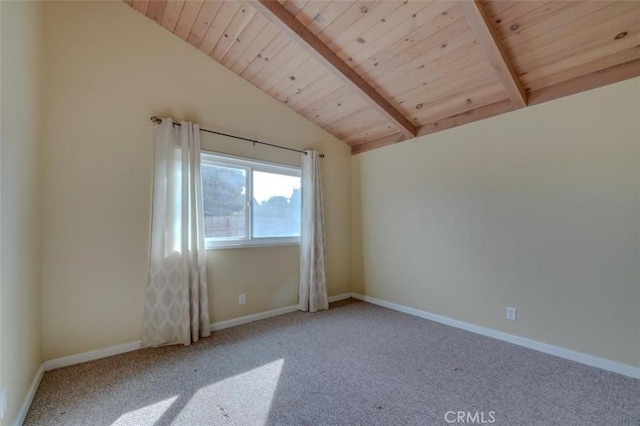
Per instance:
(157,120)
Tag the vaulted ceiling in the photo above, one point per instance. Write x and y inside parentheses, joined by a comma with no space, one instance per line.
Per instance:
(374,73)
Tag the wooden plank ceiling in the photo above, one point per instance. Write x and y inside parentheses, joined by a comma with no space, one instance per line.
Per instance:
(375,72)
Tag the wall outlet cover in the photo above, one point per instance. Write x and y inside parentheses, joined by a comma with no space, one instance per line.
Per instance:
(511,313)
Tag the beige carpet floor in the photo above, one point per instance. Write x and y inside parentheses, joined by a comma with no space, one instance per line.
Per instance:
(356,364)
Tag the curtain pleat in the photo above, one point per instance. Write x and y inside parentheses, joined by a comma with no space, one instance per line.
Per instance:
(176,303)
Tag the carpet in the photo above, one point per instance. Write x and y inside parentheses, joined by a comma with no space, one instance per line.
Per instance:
(356,364)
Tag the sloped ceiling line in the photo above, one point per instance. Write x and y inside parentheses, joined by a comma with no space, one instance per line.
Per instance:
(515,54)
(290,25)
(475,16)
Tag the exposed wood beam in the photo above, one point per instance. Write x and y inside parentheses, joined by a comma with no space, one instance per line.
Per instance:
(590,81)
(377,143)
(483,112)
(466,117)
(487,37)
(286,22)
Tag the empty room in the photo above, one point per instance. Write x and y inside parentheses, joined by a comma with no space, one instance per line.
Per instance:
(319,212)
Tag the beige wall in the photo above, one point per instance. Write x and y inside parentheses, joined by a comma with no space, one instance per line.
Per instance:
(108,69)
(20,183)
(536,209)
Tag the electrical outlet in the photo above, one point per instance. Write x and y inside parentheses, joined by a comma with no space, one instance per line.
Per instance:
(3,402)
(242,299)
(511,313)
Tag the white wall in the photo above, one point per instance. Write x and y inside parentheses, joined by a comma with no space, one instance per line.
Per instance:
(20,193)
(538,209)
(108,69)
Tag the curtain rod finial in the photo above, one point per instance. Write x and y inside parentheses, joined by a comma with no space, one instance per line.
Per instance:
(155,119)
(319,155)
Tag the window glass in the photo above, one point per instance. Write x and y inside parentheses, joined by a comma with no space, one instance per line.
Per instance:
(249,202)
(224,191)
(276,205)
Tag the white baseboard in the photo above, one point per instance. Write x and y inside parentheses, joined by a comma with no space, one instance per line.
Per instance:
(268,314)
(251,318)
(569,354)
(91,355)
(339,297)
(24,409)
(132,346)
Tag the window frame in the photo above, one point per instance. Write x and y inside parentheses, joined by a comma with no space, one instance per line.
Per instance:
(249,165)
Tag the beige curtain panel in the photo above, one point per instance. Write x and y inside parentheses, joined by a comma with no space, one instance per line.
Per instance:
(176,305)
(313,279)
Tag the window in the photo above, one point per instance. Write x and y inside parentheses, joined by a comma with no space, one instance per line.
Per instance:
(249,203)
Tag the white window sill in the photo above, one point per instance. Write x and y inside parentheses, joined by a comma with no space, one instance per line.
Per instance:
(258,242)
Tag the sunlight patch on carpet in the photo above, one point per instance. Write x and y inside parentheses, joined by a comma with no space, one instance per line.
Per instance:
(145,415)
(226,400)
